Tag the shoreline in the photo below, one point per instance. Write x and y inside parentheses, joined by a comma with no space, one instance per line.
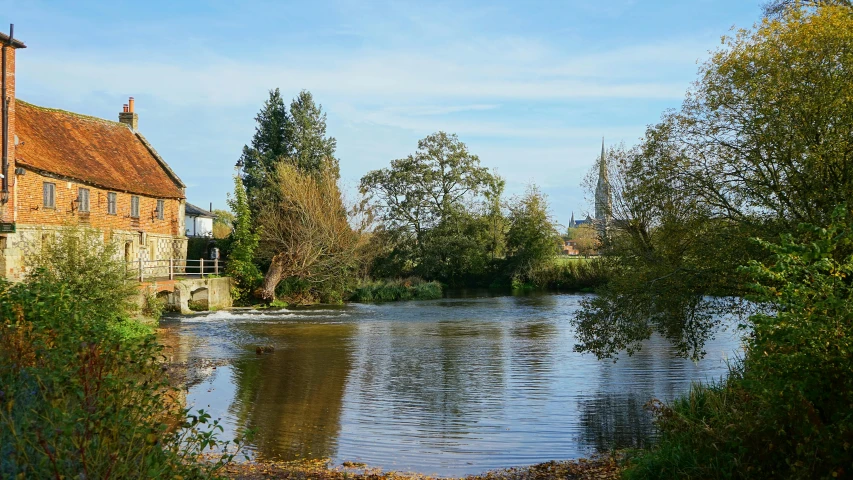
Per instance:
(596,467)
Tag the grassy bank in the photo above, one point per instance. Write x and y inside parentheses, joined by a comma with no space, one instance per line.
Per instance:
(412,288)
(565,274)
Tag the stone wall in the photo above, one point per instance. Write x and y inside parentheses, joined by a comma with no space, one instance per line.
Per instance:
(131,245)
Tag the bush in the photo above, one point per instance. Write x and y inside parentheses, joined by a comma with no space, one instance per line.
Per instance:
(82,392)
(566,275)
(87,267)
(787,412)
(412,288)
(154,306)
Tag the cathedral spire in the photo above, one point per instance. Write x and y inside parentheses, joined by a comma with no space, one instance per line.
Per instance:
(602,191)
(572,221)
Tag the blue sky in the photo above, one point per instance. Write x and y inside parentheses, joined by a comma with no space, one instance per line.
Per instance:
(530,87)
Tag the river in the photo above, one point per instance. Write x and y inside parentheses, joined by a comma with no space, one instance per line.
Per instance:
(446,387)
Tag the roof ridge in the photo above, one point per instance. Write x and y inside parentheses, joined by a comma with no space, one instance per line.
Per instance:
(202,210)
(74,114)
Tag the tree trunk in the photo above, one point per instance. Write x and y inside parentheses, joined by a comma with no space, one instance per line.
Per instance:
(273,277)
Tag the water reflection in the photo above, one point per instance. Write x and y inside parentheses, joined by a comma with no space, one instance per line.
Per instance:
(451,387)
(293,398)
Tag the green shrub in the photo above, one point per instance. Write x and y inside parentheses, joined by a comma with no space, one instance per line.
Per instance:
(787,411)
(82,400)
(412,288)
(153,306)
(241,246)
(89,269)
(570,275)
(82,391)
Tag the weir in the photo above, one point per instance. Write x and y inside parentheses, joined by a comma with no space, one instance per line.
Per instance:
(215,292)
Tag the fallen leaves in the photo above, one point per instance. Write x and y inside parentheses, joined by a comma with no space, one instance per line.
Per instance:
(599,467)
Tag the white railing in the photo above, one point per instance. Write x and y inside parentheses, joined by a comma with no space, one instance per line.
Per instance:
(174,268)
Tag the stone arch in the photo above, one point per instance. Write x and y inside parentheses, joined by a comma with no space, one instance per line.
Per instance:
(200,298)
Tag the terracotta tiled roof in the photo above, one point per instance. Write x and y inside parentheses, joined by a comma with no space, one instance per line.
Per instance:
(4,39)
(92,150)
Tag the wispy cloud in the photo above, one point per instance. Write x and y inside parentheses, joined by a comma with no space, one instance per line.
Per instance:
(531,87)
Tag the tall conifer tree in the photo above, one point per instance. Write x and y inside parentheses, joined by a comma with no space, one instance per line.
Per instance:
(313,151)
(270,144)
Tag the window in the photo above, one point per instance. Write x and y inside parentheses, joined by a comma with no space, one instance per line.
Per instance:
(134,206)
(111,203)
(83,200)
(49,194)
(160,209)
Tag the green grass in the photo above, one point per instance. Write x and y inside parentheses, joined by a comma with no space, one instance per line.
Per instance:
(573,274)
(398,289)
(572,259)
(131,329)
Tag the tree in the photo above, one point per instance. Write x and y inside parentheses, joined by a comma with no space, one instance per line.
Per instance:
(297,137)
(760,145)
(270,145)
(532,240)
(243,243)
(307,235)
(766,131)
(312,150)
(437,188)
(586,239)
(439,206)
(223,224)
(779,7)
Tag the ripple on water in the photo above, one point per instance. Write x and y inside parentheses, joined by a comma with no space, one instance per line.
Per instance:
(450,387)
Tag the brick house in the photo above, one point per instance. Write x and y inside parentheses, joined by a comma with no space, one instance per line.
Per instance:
(62,168)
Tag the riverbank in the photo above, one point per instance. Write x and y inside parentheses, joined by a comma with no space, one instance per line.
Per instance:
(604,467)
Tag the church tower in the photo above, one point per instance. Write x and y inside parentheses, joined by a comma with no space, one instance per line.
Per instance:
(603,207)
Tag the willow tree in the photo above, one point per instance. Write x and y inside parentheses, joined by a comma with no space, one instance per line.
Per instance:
(307,234)
(762,143)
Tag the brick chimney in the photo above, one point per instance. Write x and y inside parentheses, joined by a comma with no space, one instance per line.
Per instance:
(128,116)
(7,125)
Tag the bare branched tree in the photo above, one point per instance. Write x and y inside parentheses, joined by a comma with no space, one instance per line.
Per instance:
(308,234)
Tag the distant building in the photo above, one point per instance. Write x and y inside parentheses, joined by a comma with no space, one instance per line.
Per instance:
(570,247)
(199,221)
(577,223)
(603,205)
(61,168)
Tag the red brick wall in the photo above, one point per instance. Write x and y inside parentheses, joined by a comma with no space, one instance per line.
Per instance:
(6,209)
(31,210)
